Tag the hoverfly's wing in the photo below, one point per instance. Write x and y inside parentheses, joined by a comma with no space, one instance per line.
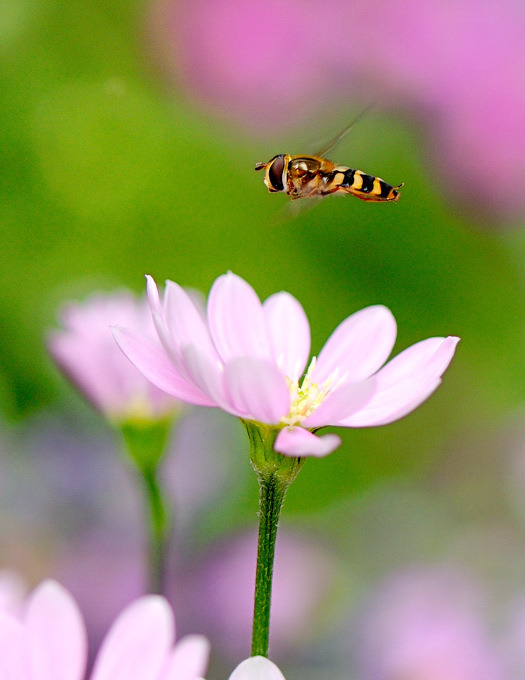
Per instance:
(321,153)
(301,206)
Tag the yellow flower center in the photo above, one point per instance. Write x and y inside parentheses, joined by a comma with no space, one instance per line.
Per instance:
(307,396)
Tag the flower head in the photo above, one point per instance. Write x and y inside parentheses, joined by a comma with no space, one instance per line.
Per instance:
(257,668)
(86,352)
(249,359)
(48,642)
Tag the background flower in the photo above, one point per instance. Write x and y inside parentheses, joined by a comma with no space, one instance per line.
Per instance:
(428,625)
(85,351)
(49,641)
(457,67)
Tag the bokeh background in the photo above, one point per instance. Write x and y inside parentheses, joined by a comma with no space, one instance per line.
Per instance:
(128,136)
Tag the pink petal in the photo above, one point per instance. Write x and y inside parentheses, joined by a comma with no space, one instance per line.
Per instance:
(56,637)
(206,375)
(138,643)
(300,443)
(257,390)
(185,322)
(405,382)
(341,403)
(236,320)
(358,346)
(189,659)
(257,668)
(157,313)
(289,333)
(13,661)
(152,361)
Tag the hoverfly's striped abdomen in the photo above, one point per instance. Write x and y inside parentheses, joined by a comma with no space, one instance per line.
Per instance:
(364,186)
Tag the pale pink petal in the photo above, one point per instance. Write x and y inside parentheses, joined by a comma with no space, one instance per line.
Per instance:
(168,342)
(257,390)
(405,382)
(13,659)
(358,346)
(185,322)
(152,361)
(257,668)
(289,333)
(189,659)
(157,313)
(300,443)
(138,643)
(236,320)
(389,413)
(206,375)
(56,638)
(341,403)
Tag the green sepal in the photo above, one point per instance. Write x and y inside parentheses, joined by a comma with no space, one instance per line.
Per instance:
(265,460)
(146,441)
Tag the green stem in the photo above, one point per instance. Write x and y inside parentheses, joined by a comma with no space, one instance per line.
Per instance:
(159,523)
(146,443)
(272,494)
(275,474)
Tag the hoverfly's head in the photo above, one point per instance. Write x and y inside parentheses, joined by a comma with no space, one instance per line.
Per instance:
(275,176)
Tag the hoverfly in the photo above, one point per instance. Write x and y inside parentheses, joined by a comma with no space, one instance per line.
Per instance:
(315,176)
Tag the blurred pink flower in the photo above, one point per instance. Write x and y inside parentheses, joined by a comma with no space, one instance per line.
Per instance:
(427,625)
(87,354)
(13,591)
(257,62)
(459,64)
(248,359)
(257,668)
(48,642)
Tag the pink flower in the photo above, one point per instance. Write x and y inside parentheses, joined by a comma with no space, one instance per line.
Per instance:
(248,359)
(257,668)
(86,352)
(428,624)
(12,591)
(48,642)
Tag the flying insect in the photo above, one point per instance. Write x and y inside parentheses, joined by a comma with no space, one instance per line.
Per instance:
(315,176)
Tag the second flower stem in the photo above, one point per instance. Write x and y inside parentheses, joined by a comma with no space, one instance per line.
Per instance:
(159,523)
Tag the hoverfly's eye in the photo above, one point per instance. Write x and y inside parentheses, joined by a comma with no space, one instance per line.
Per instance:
(275,174)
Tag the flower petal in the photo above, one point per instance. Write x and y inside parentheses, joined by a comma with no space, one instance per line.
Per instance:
(289,333)
(257,668)
(236,320)
(359,346)
(341,403)
(185,322)
(138,643)
(56,637)
(153,362)
(405,382)
(207,376)
(13,664)
(300,443)
(257,390)
(189,659)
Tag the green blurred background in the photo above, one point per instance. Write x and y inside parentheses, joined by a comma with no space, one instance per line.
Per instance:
(108,174)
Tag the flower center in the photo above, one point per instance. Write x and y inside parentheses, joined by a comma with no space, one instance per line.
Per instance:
(307,396)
